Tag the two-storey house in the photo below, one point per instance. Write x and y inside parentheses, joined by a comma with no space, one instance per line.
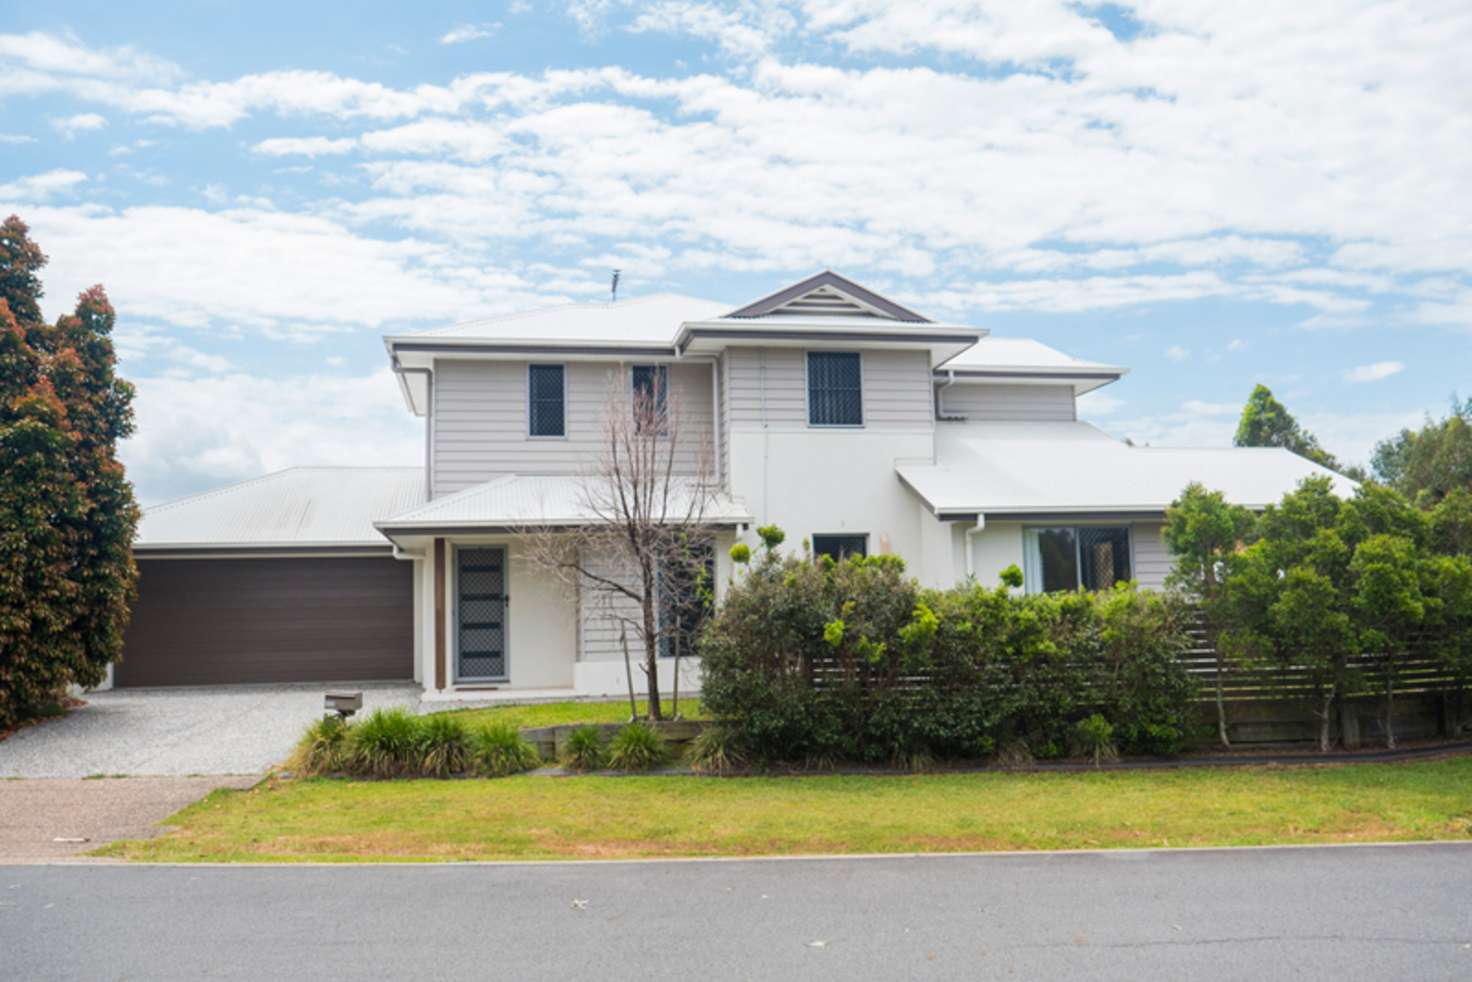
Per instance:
(853,422)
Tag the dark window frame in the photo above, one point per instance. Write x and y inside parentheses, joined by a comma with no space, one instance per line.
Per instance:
(838,552)
(1080,563)
(657,371)
(532,400)
(686,608)
(814,404)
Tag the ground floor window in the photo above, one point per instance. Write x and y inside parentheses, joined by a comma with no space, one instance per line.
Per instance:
(686,598)
(1074,557)
(840,546)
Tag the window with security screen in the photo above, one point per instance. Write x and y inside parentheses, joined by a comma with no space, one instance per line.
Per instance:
(546,407)
(835,389)
(1068,557)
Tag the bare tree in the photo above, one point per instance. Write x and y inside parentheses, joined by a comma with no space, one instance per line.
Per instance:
(644,539)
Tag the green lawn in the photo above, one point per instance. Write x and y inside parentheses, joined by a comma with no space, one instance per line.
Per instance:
(555,713)
(615,817)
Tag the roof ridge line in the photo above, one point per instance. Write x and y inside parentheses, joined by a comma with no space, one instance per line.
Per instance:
(200,495)
(533,311)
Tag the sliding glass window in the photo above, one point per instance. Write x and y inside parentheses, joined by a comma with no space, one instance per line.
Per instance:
(1075,557)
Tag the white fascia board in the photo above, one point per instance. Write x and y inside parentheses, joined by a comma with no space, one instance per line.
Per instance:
(943,341)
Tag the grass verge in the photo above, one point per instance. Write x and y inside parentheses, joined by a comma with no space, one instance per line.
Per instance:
(559,713)
(622,817)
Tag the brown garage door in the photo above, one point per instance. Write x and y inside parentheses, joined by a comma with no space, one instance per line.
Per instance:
(213,621)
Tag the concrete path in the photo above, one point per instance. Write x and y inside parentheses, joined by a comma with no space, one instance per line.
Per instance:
(56,818)
(1396,912)
(178,731)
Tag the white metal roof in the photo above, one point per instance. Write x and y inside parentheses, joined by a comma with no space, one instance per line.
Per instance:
(995,359)
(316,507)
(1073,468)
(651,320)
(514,501)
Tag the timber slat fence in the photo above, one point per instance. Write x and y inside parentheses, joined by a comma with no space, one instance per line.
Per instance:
(1418,671)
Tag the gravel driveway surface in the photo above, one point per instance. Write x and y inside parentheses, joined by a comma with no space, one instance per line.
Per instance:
(240,729)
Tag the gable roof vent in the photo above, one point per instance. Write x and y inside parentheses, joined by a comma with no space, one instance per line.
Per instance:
(829,295)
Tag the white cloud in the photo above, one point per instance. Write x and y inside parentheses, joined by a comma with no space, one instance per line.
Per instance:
(39,187)
(1195,160)
(309,146)
(1177,353)
(70,126)
(196,433)
(1374,372)
(745,30)
(1196,407)
(16,139)
(1237,344)
(469,32)
(1098,403)
(245,269)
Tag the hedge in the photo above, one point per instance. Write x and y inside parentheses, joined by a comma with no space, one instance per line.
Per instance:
(854,661)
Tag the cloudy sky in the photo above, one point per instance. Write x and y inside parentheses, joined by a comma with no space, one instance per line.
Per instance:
(1214,194)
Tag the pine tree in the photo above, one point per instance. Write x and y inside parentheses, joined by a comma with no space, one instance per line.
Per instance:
(1266,422)
(67,514)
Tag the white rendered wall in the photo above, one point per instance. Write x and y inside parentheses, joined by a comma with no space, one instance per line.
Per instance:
(825,480)
(993,549)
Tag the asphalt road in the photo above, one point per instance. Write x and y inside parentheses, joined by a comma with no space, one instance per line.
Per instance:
(1397,912)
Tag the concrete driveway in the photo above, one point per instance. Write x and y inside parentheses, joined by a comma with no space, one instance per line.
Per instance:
(241,729)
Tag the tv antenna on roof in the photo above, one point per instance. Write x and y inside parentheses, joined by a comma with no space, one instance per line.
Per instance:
(613,289)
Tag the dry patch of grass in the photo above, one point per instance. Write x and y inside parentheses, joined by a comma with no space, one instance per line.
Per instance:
(622,817)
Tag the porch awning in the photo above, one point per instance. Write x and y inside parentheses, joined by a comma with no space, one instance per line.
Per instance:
(514,503)
(1035,469)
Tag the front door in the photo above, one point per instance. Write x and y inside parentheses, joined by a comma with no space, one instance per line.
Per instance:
(480,614)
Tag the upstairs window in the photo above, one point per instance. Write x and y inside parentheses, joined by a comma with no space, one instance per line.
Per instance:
(547,398)
(840,547)
(835,389)
(651,394)
(1066,557)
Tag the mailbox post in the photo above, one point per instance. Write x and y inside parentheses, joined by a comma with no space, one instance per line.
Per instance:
(344,704)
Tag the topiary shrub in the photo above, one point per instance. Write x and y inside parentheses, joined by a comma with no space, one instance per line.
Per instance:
(385,744)
(499,750)
(322,749)
(585,750)
(637,747)
(444,745)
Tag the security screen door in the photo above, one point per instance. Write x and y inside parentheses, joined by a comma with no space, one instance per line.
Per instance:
(480,614)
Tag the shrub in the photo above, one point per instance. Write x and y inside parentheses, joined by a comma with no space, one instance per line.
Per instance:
(1094,737)
(385,744)
(854,661)
(585,750)
(499,750)
(716,750)
(637,747)
(322,749)
(444,745)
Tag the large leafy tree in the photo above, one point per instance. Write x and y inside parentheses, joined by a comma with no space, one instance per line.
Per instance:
(1203,531)
(67,514)
(1428,464)
(1286,601)
(1390,606)
(1266,422)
